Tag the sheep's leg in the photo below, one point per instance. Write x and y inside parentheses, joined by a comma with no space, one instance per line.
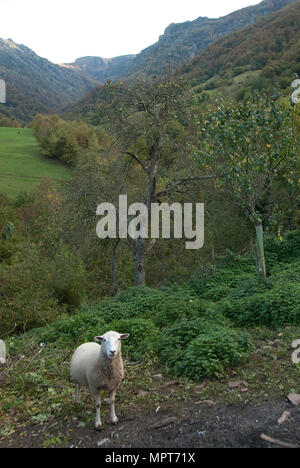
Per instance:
(98,424)
(78,393)
(113,416)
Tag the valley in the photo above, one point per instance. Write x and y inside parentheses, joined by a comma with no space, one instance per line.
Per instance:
(205,117)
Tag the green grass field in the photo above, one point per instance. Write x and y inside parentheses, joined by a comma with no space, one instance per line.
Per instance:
(21,165)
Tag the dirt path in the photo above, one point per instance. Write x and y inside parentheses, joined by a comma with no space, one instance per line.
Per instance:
(185,426)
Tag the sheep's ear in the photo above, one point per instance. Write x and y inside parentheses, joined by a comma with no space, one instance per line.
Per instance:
(124,336)
(98,338)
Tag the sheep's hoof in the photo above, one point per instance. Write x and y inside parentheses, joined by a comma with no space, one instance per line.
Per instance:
(115,421)
(98,427)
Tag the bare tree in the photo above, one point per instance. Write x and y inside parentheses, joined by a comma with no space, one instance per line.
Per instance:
(151,124)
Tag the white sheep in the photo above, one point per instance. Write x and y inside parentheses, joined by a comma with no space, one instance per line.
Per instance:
(100,367)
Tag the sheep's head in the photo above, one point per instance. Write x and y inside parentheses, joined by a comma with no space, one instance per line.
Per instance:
(111,343)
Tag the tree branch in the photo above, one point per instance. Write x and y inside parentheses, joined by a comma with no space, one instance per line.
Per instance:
(134,156)
(175,185)
(150,245)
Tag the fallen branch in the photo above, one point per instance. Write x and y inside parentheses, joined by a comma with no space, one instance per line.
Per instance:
(278,442)
(167,384)
(163,423)
(137,363)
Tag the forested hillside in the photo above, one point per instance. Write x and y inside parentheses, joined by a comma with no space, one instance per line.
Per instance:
(264,53)
(178,44)
(35,84)
(257,57)
(181,42)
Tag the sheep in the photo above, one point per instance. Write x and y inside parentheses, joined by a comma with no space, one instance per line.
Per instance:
(100,367)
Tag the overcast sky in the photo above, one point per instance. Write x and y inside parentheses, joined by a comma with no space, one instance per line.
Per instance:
(63,30)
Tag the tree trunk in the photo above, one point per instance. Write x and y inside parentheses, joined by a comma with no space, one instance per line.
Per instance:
(213,258)
(259,249)
(291,213)
(114,269)
(139,262)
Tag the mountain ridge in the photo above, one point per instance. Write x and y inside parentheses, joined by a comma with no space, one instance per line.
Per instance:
(36,85)
(181,42)
(259,54)
(41,84)
(102,69)
(271,47)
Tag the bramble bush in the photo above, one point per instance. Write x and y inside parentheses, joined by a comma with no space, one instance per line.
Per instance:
(275,307)
(134,302)
(67,330)
(203,348)
(214,287)
(26,300)
(174,306)
(289,272)
(278,251)
(212,352)
(175,338)
(193,327)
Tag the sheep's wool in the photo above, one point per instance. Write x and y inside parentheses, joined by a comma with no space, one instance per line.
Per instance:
(110,374)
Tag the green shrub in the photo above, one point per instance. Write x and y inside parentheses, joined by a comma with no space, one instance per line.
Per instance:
(174,339)
(204,283)
(143,295)
(67,330)
(282,250)
(176,346)
(217,292)
(26,299)
(248,287)
(176,306)
(275,307)
(142,340)
(135,302)
(212,352)
(286,272)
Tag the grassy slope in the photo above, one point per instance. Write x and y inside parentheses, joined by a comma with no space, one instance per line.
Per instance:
(21,166)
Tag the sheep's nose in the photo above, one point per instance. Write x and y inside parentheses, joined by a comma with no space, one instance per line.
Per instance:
(112,353)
